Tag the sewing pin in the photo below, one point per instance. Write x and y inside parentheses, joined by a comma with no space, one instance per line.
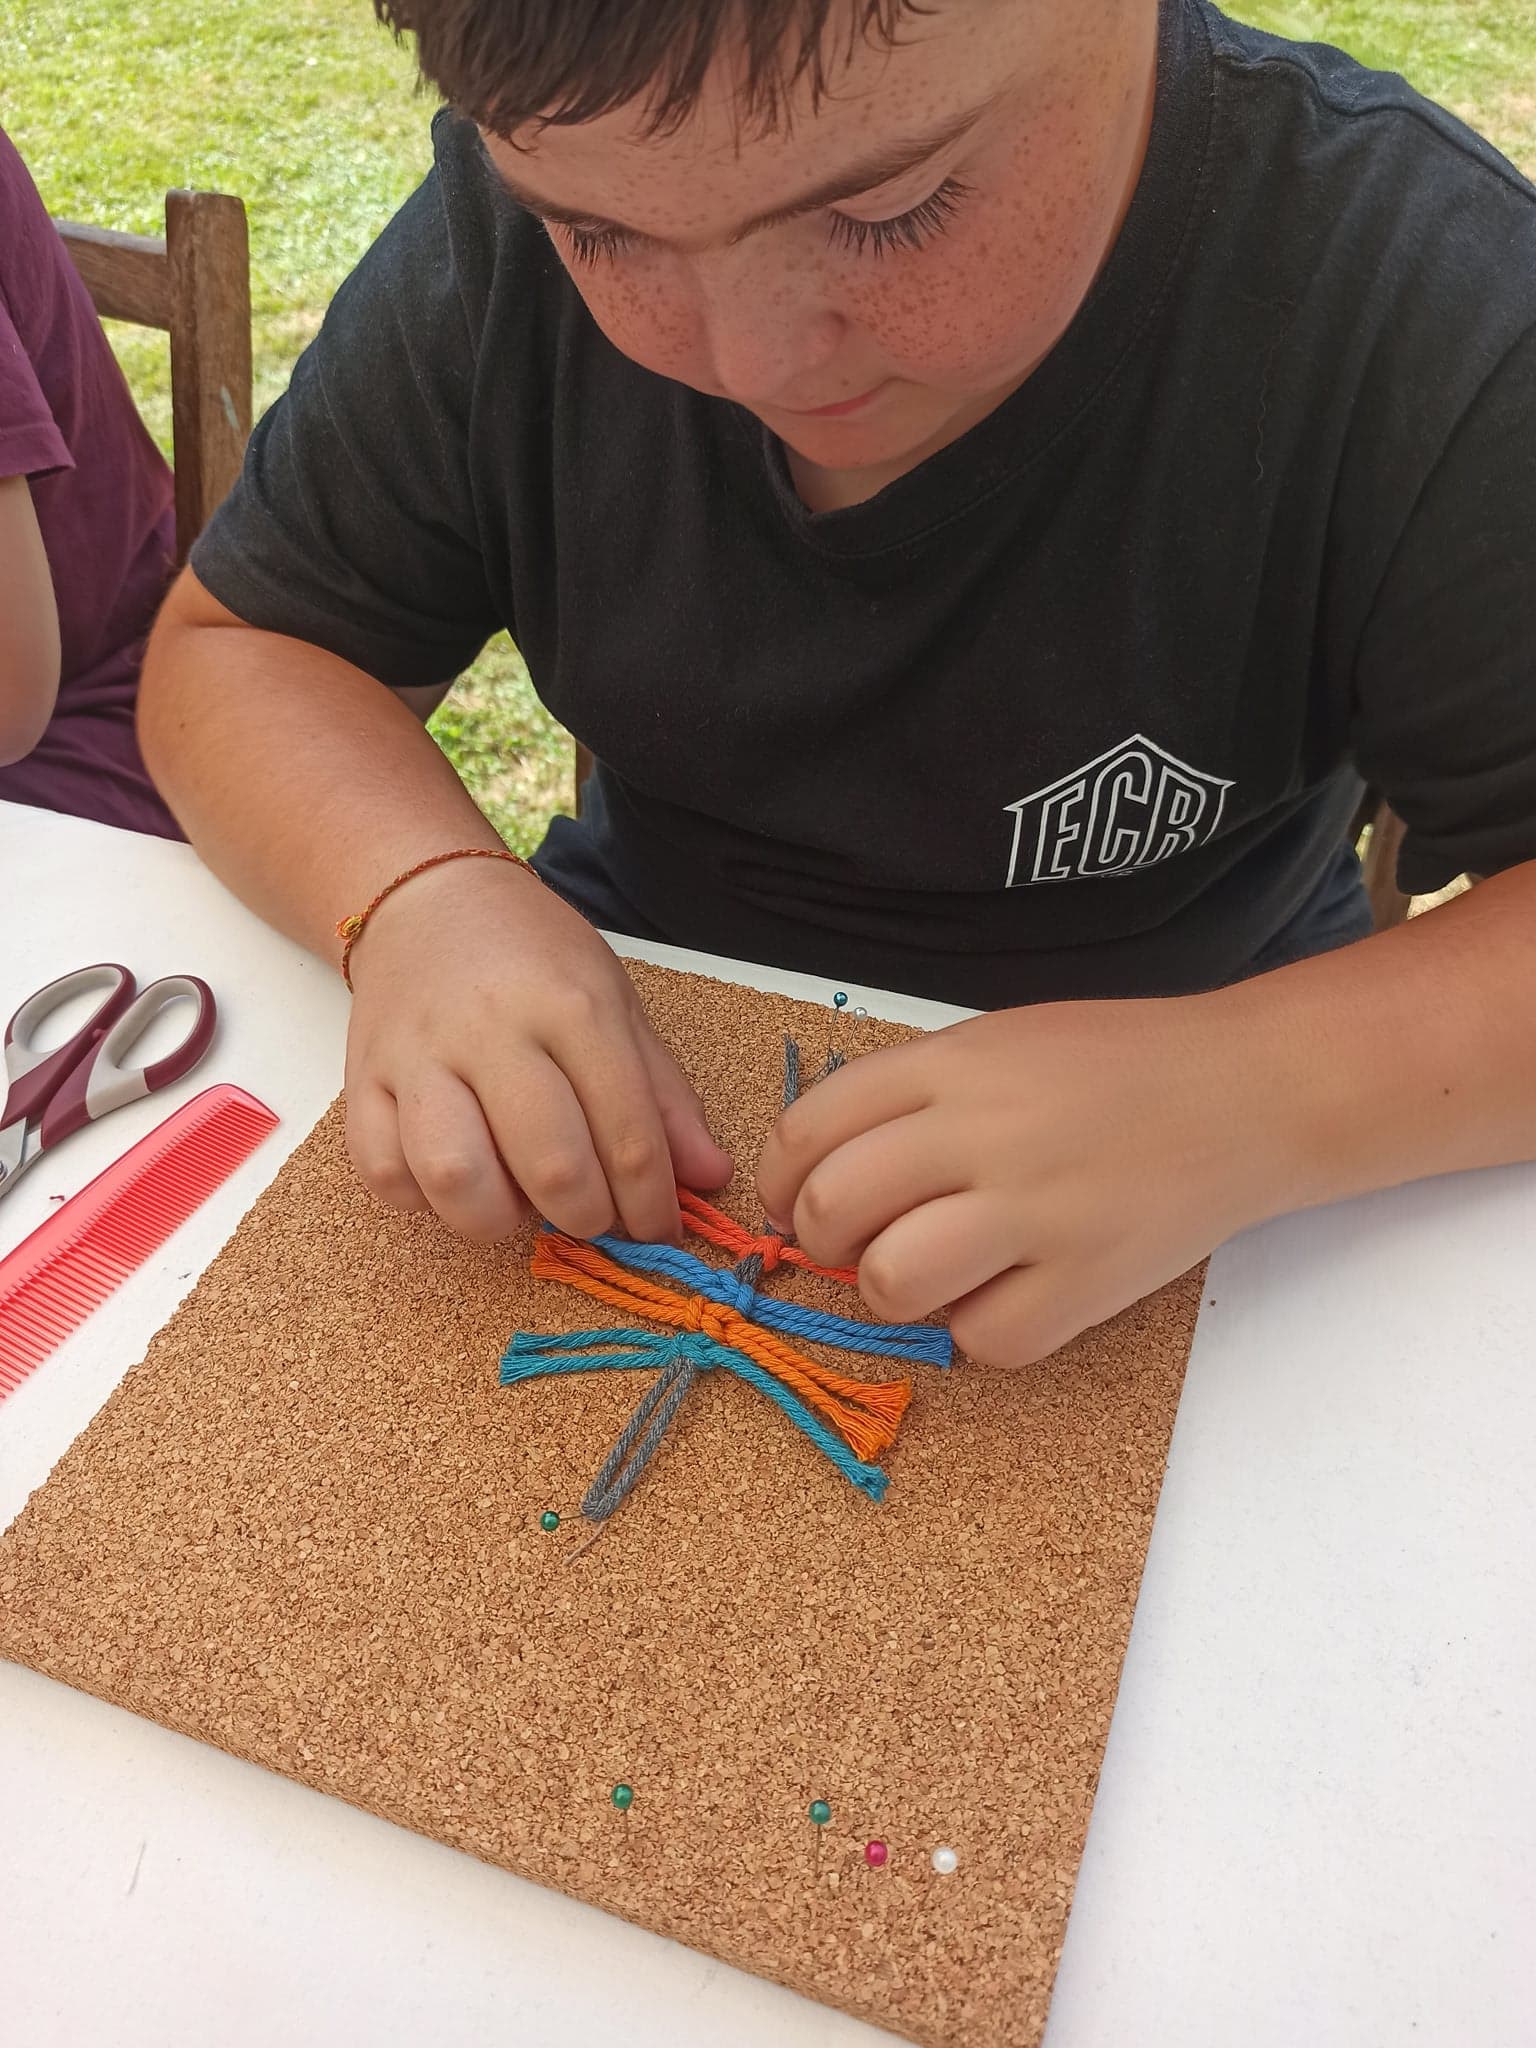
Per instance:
(820,1813)
(587,1541)
(623,1798)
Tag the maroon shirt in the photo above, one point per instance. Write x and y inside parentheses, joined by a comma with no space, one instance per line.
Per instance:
(103,497)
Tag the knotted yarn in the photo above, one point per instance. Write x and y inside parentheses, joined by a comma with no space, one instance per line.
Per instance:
(530,1357)
(705,1221)
(716,1317)
(731,1286)
(866,1414)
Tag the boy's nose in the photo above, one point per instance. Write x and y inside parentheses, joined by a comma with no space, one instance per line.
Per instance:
(770,341)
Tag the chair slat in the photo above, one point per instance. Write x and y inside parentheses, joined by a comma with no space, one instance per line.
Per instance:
(210,293)
(126,275)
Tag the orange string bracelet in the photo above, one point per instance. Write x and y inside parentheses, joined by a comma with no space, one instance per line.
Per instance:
(351,929)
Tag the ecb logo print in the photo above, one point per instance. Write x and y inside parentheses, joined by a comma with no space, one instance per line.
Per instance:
(1130,808)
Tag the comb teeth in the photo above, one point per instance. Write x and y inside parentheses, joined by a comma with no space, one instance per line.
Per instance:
(76,1257)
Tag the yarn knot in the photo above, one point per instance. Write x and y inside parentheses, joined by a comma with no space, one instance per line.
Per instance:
(733,1288)
(695,1348)
(708,1319)
(769,1249)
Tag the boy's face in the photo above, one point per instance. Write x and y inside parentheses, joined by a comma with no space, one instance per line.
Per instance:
(874,281)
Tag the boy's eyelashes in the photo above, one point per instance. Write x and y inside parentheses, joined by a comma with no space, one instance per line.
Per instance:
(592,245)
(908,230)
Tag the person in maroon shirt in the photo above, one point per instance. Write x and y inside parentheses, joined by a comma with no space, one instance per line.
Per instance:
(87,536)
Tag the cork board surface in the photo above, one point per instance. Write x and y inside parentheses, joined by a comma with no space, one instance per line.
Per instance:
(307,1529)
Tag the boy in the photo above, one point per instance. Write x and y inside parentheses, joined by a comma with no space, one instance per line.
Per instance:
(981,479)
(87,536)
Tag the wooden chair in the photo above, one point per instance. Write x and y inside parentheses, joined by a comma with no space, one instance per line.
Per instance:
(194,283)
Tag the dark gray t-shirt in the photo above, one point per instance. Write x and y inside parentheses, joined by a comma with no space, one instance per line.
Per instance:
(1080,706)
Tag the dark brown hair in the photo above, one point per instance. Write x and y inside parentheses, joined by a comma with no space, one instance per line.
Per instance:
(508,62)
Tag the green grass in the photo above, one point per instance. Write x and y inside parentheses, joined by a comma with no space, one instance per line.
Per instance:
(1475,56)
(306,109)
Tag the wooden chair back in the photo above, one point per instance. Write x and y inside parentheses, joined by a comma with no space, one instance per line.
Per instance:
(194,283)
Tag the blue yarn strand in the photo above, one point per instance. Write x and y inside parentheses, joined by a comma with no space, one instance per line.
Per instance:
(719,1283)
(681,1356)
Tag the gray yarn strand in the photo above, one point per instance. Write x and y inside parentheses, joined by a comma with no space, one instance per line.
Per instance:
(620,1471)
(656,1410)
(792,1069)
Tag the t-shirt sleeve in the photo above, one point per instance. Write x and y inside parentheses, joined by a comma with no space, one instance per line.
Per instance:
(352,525)
(1445,708)
(31,444)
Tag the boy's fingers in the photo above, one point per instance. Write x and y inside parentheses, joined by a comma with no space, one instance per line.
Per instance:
(608,1086)
(936,1254)
(541,1131)
(373,1142)
(1024,1315)
(858,1190)
(697,1161)
(450,1154)
(868,1092)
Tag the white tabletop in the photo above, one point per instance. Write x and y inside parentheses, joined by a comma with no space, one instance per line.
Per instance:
(1317,1818)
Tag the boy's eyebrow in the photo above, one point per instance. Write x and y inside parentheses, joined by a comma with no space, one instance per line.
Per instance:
(893,161)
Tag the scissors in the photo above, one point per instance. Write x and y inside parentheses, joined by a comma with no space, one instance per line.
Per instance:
(53,1094)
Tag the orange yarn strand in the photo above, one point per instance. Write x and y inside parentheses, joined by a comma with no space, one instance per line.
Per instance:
(865,1413)
(711,1224)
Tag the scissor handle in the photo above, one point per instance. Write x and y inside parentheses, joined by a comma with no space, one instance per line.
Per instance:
(101,1083)
(35,1076)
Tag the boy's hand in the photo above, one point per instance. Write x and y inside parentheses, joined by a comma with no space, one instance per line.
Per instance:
(498,1058)
(1038,1169)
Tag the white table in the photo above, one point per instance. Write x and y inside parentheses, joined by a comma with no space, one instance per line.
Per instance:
(1317,1818)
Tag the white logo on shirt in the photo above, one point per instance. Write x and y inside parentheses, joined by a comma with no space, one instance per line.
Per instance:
(1128,808)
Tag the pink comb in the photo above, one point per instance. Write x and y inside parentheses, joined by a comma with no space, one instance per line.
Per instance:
(73,1260)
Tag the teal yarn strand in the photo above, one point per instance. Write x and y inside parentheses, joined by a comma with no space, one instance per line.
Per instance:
(678,1357)
(530,1357)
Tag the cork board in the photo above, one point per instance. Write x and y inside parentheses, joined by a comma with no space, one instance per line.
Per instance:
(307,1529)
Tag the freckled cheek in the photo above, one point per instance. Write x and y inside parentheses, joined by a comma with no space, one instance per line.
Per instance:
(652,318)
(1001,287)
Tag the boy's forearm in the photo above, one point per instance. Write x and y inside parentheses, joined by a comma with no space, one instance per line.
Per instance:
(303,783)
(1413,1053)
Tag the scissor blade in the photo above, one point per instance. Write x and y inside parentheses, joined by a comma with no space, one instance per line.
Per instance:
(15,1154)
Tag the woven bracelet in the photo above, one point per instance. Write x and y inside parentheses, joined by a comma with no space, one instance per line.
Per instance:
(351,929)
